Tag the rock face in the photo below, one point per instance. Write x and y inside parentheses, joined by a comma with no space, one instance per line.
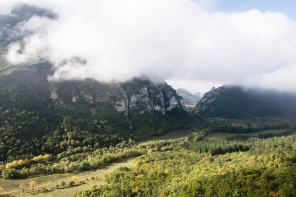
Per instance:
(133,98)
(189,99)
(146,96)
(207,99)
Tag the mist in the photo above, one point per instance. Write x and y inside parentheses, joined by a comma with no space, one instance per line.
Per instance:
(181,41)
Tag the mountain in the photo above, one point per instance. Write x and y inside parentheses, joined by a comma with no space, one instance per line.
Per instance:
(189,99)
(11,25)
(38,115)
(33,109)
(237,102)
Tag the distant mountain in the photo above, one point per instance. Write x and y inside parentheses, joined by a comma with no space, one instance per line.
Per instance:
(236,102)
(188,98)
(11,25)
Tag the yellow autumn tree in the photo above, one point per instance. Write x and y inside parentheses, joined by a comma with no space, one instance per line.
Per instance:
(73,178)
(41,158)
(1,190)
(33,184)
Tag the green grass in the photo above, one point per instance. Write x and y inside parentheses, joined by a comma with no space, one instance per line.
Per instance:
(223,136)
(180,133)
(175,134)
(51,180)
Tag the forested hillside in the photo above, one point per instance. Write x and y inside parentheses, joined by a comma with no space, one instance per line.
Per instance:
(237,102)
(256,167)
(39,117)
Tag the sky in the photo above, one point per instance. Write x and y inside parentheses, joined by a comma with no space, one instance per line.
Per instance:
(191,44)
(285,6)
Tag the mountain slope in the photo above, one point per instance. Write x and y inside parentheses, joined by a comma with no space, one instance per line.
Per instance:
(38,115)
(35,109)
(236,102)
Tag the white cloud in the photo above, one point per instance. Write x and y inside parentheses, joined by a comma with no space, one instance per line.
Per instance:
(282,79)
(176,40)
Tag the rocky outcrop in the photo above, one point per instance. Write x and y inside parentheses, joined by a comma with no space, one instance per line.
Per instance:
(146,96)
(207,99)
(133,97)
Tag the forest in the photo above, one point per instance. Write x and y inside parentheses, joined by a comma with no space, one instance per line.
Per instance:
(190,166)
(256,167)
(41,136)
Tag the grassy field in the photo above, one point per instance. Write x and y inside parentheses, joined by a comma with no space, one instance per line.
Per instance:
(223,136)
(180,133)
(12,186)
(175,134)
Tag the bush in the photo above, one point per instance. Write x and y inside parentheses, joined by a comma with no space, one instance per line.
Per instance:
(63,184)
(44,188)
(84,166)
(10,174)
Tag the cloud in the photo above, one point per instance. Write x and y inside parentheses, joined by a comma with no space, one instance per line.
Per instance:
(284,78)
(175,40)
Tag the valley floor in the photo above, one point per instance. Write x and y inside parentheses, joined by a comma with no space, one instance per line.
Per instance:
(50,181)
(173,145)
(12,186)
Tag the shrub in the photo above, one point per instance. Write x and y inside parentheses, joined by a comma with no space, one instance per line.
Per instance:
(10,174)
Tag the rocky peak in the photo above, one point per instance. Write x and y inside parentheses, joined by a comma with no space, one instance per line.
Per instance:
(133,97)
(143,95)
(207,99)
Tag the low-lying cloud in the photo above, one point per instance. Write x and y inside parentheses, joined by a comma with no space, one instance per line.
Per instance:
(176,40)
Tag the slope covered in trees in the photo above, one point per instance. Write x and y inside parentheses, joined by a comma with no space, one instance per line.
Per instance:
(256,167)
(40,117)
(237,102)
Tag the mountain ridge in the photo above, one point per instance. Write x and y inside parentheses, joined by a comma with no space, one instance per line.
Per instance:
(237,102)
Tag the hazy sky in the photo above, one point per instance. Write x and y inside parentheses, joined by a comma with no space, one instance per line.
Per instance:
(194,44)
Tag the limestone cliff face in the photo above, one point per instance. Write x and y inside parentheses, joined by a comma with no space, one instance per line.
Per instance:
(207,99)
(133,98)
(145,96)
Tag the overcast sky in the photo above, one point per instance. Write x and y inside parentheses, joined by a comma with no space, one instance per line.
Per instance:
(194,44)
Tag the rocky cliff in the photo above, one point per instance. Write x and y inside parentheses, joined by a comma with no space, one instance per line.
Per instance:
(133,97)
(208,98)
